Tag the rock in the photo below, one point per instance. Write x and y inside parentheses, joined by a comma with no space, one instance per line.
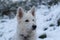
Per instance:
(45,29)
(51,25)
(58,22)
(43,36)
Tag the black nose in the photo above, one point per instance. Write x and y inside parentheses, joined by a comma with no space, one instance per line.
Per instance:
(33,27)
(25,37)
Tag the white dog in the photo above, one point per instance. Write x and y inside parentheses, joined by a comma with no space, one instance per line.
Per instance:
(26,28)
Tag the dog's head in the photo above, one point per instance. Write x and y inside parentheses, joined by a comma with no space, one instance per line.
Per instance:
(26,21)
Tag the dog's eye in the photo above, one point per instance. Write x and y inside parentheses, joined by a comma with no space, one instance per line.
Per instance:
(33,20)
(26,20)
(21,35)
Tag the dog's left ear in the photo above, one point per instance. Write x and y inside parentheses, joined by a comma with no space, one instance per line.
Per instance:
(32,11)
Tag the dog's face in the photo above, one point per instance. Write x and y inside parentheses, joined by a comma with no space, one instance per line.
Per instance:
(26,21)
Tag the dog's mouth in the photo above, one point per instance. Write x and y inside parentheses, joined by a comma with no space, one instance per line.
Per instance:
(25,37)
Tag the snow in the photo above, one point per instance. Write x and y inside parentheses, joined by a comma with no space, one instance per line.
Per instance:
(44,17)
(18,0)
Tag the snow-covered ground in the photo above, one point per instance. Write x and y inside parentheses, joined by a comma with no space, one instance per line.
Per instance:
(46,24)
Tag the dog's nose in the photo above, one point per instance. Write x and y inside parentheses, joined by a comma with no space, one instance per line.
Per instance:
(34,27)
(25,37)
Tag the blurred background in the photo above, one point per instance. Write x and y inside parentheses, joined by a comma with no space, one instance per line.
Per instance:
(8,7)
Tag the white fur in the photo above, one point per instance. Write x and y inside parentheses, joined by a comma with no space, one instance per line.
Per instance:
(25,28)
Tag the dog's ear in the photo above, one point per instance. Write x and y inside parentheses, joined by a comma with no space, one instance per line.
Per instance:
(33,10)
(20,12)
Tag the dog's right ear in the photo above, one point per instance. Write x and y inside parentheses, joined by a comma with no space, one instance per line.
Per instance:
(32,11)
(20,12)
